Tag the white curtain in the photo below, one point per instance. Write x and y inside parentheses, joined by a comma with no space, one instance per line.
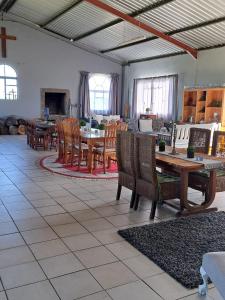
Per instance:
(159,94)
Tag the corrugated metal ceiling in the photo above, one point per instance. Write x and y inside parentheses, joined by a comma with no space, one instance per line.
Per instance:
(84,17)
(182,13)
(205,36)
(80,19)
(114,35)
(39,11)
(149,49)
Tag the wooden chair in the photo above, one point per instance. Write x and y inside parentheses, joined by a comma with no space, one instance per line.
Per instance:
(125,162)
(29,133)
(200,139)
(73,148)
(67,127)
(53,137)
(108,151)
(75,121)
(158,187)
(79,149)
(60,140)
(122,126)
(200,180)
(39,138)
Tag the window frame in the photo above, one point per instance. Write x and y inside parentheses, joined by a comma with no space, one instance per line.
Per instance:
(5,78)
(152,90)
(103,92)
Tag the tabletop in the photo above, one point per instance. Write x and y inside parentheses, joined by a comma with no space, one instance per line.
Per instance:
(180,161)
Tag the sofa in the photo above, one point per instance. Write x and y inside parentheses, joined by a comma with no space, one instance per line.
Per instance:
(100,118)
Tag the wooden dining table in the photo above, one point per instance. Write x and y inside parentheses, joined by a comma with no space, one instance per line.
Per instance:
(182,166)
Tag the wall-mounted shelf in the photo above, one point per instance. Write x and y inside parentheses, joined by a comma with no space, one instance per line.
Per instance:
(204,105)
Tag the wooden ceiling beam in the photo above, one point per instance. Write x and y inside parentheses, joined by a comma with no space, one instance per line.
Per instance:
(192,51)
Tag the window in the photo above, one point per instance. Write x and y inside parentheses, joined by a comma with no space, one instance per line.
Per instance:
(158,94)
(99,87)
(8,83)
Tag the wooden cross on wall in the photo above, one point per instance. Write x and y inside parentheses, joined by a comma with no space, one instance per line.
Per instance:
(4,37)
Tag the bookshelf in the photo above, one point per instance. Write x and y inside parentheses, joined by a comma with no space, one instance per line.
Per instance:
(204,105)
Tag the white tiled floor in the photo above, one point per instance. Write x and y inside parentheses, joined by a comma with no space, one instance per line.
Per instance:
(58,237)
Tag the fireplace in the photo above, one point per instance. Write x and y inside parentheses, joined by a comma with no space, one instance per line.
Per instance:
(57,100)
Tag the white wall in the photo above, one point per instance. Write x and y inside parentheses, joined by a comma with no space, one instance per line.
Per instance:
(208,69)
(42,61)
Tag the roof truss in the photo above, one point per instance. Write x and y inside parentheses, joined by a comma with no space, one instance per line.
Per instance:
(180,30)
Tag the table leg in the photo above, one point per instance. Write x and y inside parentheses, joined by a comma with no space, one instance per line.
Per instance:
(210,195)
(188,207)
(183,189)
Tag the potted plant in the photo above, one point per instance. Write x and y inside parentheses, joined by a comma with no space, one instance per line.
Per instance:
(190,152)
(101,128)
(162,146)
(82,124)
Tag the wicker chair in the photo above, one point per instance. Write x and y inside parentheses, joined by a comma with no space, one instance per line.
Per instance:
(200,139)
(155,186)
(200,180)
(125,162)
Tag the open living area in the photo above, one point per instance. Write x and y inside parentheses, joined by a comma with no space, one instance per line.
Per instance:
(112,150)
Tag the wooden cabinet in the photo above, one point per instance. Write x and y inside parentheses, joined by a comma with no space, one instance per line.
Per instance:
(204,105)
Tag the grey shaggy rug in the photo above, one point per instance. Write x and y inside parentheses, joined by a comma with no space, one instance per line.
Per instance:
(177,246)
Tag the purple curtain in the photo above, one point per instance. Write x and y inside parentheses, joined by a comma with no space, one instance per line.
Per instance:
(114,94)
(84,95)
(134,113)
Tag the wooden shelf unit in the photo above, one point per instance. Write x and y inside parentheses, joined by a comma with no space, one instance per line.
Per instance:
(204,105)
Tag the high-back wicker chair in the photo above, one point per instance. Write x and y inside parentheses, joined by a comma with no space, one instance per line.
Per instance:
(125,162)
(200,180)
(149,183)
(200,139)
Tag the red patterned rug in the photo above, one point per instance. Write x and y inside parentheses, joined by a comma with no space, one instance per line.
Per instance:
(51,164)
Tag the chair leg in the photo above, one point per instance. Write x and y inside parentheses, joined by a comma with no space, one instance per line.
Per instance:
(203,288)
(153,209)
(136,202)
(132,199)
(119,188)
(104,162)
